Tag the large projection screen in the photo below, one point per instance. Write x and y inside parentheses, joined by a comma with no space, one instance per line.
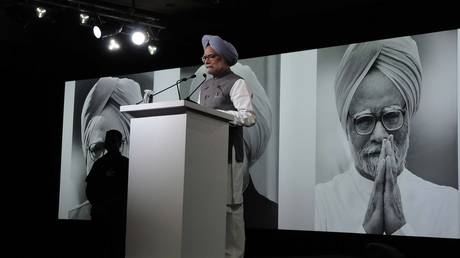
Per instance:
(308,159)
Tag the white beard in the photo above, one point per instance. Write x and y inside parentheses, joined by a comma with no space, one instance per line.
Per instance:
(368,158)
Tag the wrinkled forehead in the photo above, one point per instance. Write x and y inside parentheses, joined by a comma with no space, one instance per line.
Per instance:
(375,92)
(209,50)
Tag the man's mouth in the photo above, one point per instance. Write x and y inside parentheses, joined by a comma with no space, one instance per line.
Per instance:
(373,154)
(373,151)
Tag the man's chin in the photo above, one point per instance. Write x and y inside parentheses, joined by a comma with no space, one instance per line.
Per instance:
(369,167)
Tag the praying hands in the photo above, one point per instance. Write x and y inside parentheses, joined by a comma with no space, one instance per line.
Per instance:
(385,213)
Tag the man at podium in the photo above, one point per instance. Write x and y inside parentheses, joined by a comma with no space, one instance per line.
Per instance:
(229,93)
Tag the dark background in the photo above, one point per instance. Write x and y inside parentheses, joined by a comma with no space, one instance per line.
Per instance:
(38,56)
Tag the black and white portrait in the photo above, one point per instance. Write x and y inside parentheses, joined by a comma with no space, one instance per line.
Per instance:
(387,137)
(359,138)
(92,108)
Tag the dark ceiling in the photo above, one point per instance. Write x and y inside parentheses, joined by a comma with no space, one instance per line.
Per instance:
(256,27)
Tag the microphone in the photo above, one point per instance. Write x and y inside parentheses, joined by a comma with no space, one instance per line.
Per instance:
(148,97)
(175,84)
(199,85)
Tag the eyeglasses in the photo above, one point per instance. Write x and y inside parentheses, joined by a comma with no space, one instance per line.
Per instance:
(96,150)
(210,56)
(391,120)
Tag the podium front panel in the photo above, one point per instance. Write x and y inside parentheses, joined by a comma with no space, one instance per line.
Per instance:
(177,186)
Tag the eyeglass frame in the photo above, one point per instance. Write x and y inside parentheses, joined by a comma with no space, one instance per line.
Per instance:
(394,109)
(104,150)
(90,151)
(210,56)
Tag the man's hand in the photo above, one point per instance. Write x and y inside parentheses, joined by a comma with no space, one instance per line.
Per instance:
(384,211)
(374,219)
(393,211)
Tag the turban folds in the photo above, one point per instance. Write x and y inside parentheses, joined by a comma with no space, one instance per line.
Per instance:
(222,47)
(108,92)
(397,58)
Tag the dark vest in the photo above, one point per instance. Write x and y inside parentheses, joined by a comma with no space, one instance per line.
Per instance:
(215,93)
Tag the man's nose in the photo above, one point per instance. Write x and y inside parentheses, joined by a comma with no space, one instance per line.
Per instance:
(379,132)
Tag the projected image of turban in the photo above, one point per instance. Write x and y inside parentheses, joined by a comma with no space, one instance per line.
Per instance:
(100,113)
(379,194)
(396,58)
(255,137)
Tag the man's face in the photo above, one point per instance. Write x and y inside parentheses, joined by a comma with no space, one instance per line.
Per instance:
(376,96)
(215,64)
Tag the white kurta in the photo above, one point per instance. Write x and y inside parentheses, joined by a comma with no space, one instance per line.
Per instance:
(430,210)
(257,137)
(238,176)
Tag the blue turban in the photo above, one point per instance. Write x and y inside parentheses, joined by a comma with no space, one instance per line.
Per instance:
(222,47)
(397,58)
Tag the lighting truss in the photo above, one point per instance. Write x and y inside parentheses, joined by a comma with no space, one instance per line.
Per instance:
(91,14)
(122,14)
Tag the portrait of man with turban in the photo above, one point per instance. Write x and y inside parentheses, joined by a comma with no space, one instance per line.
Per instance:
(100,112)
(378,90)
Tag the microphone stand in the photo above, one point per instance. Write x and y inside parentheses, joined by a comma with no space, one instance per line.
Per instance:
(199,85)
(175,84)
(167,88)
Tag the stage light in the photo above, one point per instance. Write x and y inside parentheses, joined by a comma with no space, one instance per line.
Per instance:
(107,21)
(152,49)
(84,18)
(113,45)
(40,12)
(106,30)
(139,37)
(97,31)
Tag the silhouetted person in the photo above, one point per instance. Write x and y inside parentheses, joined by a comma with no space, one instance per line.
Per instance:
(101,112)
(106,190)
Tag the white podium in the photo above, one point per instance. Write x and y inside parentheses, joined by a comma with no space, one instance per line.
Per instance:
(177,181)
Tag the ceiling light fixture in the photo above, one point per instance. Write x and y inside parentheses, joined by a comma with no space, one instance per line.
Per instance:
(113,45)
(40,12)
(139,37)
(106,30)
(152,49)
(97,32)
(107,20)
(84,18)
